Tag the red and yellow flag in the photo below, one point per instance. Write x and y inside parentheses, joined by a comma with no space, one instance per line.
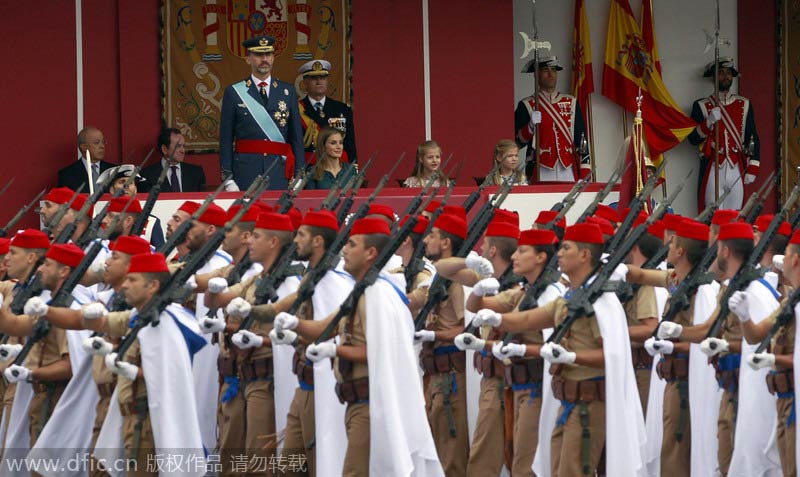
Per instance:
(649,34)
(629,66)
(582,78)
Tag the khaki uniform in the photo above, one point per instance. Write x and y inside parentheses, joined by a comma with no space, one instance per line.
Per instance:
(49,350)
(568,440)
(641,307)
(780,382)
(7,390)
(726,423)
(353,331)
(105,382)
(446,396)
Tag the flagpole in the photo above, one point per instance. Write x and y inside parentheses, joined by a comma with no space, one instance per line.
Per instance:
(590,133)
(719,104)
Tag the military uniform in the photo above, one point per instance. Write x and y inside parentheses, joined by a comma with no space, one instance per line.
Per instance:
(727,366)
(780,383)
(641,307)
(244,148)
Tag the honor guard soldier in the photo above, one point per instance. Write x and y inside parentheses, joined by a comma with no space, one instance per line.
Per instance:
(560,126)
(260,122)
(317,111)
(739,150)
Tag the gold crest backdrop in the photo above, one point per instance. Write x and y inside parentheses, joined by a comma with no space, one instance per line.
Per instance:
(788,93)
(202,53)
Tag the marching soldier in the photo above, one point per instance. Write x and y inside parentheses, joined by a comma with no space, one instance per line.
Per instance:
(739,150)
(560,126)
(260,122)
(318,111)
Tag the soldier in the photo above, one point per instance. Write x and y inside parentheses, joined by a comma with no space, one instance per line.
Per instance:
(260,122)
(375,368)
(561,128)
(740,151)
(129,208)
(318,111)
(779,358)
(153,230)
(50,206)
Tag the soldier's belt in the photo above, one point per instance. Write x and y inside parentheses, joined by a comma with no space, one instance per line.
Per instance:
(303,369)
(443,359)
(780,382)
(672,367)
(256,369)
(727,368)
(353,392)
(587,390)
(487,365)
(227,365)
(529,371)
(641,358)
(44,386)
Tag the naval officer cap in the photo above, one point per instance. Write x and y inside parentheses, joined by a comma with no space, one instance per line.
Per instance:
(315,68)
(724,62)
(544,62)
(260,44)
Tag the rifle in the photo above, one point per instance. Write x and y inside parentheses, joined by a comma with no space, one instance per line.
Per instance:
(600,197)
(763,192)
(417,200)
(749,270)
(20,213)
(707,215)
(784,317)
(437,292)
(341,216)
(49,227)
(8,184)
(473,197)
(352,189)
(568,201)
(150,312)
(155,190)
(335,190)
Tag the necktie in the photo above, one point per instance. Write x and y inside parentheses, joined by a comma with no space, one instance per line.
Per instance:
(173,179)
(262,88)
(95,172)
(318,107)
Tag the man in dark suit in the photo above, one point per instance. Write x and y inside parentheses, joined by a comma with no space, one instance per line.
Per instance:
(90,140)
(260,123)
(181,176)
(317,110)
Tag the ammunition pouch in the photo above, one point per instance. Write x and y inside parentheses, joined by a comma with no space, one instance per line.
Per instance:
(528,371)
(587,390)
(780,382)
(303,369)
(45,386)
(487,365)
(256,369)
(227,365)
(672,367)
(106,390)
(353,392)
(641,358)
(727,371)
(443,359)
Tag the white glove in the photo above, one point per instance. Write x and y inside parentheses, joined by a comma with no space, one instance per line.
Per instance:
(285,321)
(93,311)
(761,360)
(318,352)
(557,354)
(239,307)
(714,346)
(619,273)
(217,285)
(97,346)
(423,336)
(247,339)
(713,116)
(478,264)
(487,317)
(749,178)
(426,283)
(35,307)
(98,267)
(126,370)
(288,337)
(536,118)
(212,325)
(668,329)
(654,346)
(9,351)
(487,286)
(16,373)
(191,283)
(510,350)
(465,341)
(739,305)
(230,186)
(777,262)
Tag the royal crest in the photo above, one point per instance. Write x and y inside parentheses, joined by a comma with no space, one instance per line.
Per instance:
(247,19)
(634,57)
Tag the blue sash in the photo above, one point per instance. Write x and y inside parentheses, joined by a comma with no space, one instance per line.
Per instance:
(259,113)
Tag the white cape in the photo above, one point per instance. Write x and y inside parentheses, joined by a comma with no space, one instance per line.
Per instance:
(284,379)
(704,392)
(401,443)
(754,454)
(654,420)
(330,432)
(472,377)
(18,438)
(796,373)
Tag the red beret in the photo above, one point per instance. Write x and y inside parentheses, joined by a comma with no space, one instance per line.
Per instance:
(735,230)
(322,218)
(763,221)
(189,207)
(505,215)
(131,245)
(370,226)
(456,210)
(381,209)
(265,207)
(4,244)
(656,229)
(452,224)
(607,212)
(420,227)
(214,215)
(537,237)
(250,216)
(118,204)
(724,216)
(545,217)
(640,219)
(295,216)
(77,204)
(692,229)
(795,237)
(501,228)
(605,226)
(59,195)
(148,263)
(273,221)
(66,254)
(585,233)
(672,222)
(30,238)
(431,208)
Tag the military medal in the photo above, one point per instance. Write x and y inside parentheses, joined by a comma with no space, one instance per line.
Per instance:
(321,113)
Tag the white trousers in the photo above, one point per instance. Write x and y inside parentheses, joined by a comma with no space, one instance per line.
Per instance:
(729,176)
(559,174)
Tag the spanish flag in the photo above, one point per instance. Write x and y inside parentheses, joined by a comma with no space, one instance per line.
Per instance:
(582,78)
(628,67)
